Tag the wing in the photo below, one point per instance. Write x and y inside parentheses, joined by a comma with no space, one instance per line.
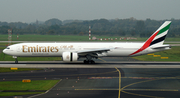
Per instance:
(93,52)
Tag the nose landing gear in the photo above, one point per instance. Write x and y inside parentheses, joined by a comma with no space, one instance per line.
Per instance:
(16,61)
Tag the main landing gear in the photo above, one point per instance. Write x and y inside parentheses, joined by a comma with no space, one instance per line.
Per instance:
(89,60)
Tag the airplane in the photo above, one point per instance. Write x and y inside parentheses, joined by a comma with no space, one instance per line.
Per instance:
(72,51)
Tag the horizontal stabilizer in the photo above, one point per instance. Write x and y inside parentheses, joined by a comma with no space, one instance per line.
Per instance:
(161,47)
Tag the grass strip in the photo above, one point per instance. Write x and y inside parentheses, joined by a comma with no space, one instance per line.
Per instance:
(68,38)
(19,69)
(19,85)
(33,85)
(173,55)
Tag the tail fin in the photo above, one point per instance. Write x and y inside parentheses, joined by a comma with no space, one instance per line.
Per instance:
(157,38)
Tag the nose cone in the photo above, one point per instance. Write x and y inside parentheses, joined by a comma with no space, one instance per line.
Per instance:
(4,51)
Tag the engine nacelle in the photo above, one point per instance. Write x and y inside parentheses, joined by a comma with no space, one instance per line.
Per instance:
(69,56)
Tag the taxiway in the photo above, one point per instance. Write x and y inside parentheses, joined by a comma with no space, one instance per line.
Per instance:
(136,79)
(104,82)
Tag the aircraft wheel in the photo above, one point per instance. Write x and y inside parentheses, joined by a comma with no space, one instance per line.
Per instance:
(92,62)
(89,62)
(85,62)
(16,62)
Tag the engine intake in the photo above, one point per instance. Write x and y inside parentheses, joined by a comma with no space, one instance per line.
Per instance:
(69,56)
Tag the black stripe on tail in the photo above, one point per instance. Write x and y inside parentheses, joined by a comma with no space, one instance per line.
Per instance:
(158,40)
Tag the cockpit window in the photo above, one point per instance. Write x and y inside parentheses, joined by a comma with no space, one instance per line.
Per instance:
(8,48)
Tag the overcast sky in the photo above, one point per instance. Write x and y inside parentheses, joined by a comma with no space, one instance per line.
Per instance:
(42,10)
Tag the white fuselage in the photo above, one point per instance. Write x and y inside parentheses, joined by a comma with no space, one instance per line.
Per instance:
(56,49)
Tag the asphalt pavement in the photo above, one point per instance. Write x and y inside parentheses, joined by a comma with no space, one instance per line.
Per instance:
(105,82)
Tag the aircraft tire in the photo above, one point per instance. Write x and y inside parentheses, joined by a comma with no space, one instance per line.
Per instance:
(16,62)
(85,62)
(89,62)
(92,62)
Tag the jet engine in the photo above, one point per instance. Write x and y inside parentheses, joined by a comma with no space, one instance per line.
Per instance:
(69,56)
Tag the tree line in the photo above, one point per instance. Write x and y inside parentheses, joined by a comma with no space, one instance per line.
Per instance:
(113,27)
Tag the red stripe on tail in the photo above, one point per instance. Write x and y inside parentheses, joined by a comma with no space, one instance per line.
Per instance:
(147,43)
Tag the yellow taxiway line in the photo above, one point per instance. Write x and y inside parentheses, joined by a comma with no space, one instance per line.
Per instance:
(119,82)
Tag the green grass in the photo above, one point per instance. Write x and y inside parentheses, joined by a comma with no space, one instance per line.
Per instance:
(19,69)
(33,85)
(45,38)
(172,54)
(3,44)
(1,48)
(66,38)
(172,39)
(17,93)
(19,85)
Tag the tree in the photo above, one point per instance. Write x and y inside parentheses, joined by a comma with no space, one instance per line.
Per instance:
(140,26)
(50,32)
(81,33)
(53,21)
